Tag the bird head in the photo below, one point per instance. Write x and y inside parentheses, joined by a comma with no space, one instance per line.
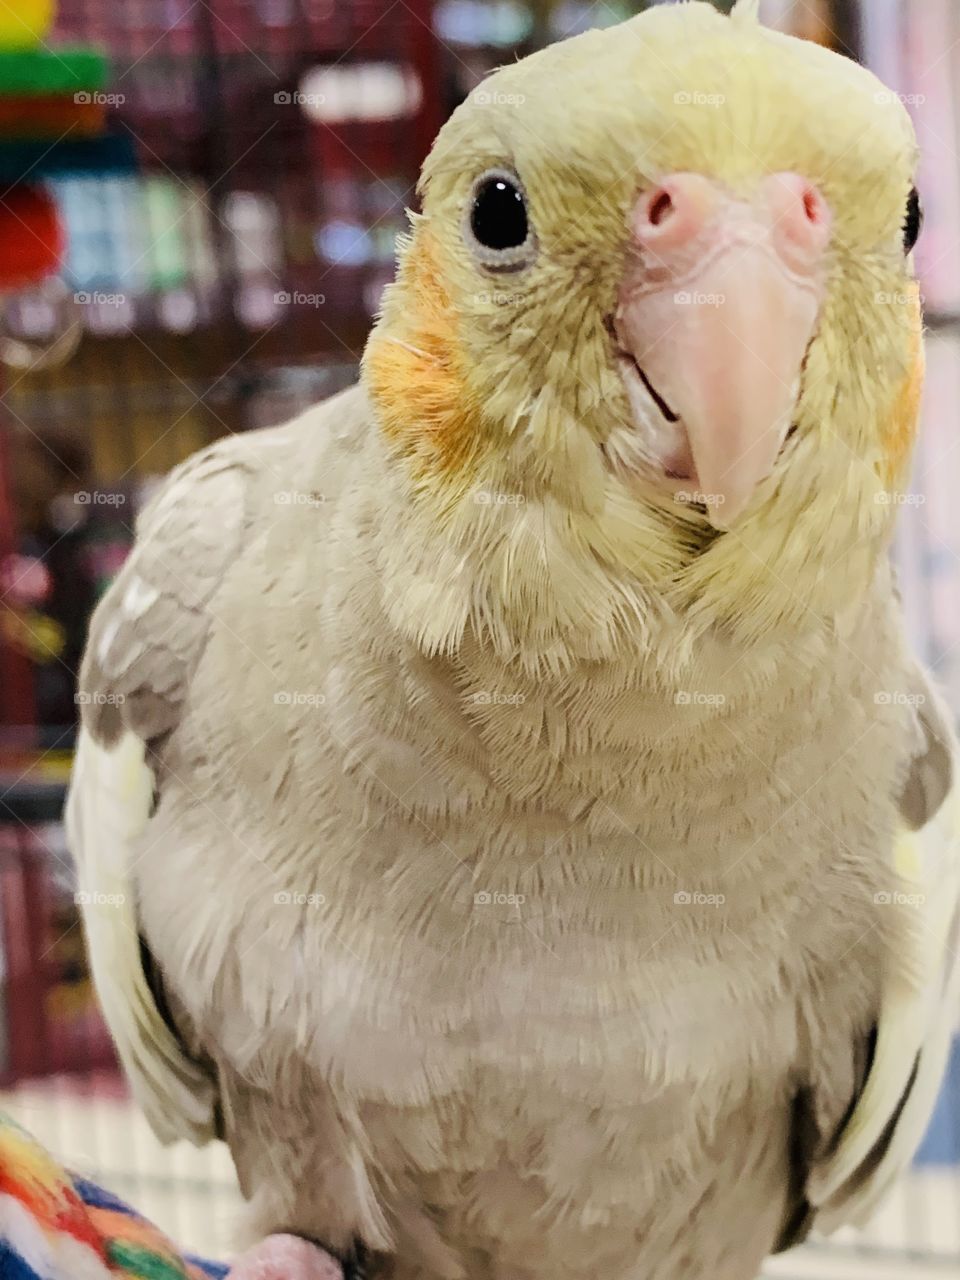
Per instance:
(654,349)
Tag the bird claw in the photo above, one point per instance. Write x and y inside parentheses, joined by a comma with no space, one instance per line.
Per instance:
(286,1257)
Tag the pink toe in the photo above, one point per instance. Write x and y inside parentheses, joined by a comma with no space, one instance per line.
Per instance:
(286,1257)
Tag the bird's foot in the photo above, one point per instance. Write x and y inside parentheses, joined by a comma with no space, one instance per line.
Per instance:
(286,1257)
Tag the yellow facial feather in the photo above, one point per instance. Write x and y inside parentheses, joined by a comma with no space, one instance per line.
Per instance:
(508,378)
(416,371)
(900,429)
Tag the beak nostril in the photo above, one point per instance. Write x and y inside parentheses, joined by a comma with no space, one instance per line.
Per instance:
(661,208)
(800,217)
(812,206)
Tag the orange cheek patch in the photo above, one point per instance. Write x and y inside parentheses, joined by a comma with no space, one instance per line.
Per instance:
(414,369)
(904,421)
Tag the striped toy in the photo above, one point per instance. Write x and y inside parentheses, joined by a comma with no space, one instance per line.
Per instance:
(57,1226)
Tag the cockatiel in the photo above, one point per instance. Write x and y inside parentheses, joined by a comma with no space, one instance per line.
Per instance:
(536,847)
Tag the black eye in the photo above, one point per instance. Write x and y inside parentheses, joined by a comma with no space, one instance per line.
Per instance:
(913,224)
(499,223)
(499,215)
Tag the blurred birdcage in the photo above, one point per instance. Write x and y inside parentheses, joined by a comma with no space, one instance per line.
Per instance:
(226,284)
(233,278)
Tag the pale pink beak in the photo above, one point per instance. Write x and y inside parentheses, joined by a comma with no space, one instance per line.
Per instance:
(718,306)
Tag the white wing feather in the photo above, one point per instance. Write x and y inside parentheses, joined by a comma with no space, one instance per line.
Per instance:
(918,1019)
(109,804)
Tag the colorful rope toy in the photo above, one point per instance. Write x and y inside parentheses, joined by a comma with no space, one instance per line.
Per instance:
(57,1226)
